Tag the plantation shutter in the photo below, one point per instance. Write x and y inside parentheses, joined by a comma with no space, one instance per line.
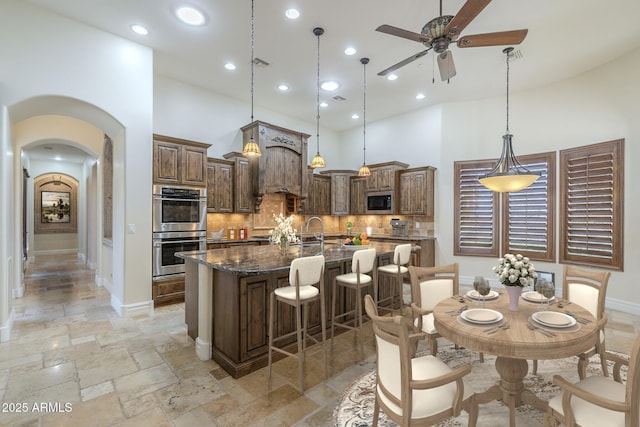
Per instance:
(529,213)
(475,211)
(592,209)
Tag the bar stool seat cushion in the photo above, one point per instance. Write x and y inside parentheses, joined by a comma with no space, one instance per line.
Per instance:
(289,292)
(393,268)
(352,278)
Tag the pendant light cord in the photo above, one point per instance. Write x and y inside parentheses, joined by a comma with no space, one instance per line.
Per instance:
(364,110)
(318,96)
(252,59)
(508,52)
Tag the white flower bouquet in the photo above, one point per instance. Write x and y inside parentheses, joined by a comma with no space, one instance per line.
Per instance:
(284,232)
(515,270)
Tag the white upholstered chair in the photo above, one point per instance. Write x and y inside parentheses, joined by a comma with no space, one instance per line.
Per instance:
(396,272)
(589,290)
(599,401)
(363,264)
(304,273)
(415,391)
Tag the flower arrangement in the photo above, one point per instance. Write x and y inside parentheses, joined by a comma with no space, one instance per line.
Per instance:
(515,270)
(283,233)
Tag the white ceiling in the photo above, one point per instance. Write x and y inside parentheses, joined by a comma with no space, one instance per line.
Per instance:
(565,38)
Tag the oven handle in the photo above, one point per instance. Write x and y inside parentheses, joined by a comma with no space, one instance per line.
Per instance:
(156,244)
(178,199)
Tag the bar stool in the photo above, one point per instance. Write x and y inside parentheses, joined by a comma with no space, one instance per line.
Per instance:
(397,270)
(362,263)
(303,274)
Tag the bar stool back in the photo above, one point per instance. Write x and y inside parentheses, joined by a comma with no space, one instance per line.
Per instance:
(397,270)
(363,263)
(304,273)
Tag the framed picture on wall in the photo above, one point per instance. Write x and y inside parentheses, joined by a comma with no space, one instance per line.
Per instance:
(55,207)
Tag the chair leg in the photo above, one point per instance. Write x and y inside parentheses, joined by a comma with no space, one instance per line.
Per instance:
(582,366)
(359,299)
(472,410)
(333,313)
(300,337)
(376,411)
(433,344)
(323,319)
(271,315)
(603,361)
(481,357)
(534,369)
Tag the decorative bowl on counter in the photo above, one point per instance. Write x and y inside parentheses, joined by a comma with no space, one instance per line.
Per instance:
(217,235)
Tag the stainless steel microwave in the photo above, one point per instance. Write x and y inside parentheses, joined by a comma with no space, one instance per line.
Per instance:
(380,202)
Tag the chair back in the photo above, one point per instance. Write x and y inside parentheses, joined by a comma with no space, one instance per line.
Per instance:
(364,260)
(430,285)
(586,288)
(306,271)
(402,254)
(633,381)
(393,364)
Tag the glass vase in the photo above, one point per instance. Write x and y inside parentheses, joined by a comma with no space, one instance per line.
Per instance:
(283,246)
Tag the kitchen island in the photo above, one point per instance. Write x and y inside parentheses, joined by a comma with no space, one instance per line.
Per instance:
(227,298)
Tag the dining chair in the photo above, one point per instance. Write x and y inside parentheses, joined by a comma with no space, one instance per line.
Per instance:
(429,286)
(410,390)
(363,263)
(589,290)
(304,273)
(599,401)
(394,274)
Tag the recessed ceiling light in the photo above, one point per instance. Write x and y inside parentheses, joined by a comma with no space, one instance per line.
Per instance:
(229,66)
(190,15)
(292,13)
(392,77)
(283,87)
(350,51)
(420,96)
(324,104)
(139,29)
(329,86)
(355,116)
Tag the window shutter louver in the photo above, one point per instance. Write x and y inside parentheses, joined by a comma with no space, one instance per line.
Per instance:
(475,223)
(592,212)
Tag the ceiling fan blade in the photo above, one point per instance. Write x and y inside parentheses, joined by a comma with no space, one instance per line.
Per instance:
(493,39)
(465,15)
(404,62)
(399,32)
(446,66)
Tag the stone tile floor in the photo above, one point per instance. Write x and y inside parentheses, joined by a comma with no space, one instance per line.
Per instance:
(73,361)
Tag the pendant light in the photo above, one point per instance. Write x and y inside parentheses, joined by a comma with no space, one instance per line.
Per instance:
(508,175)
(251,148)
(364,169)
(318,161)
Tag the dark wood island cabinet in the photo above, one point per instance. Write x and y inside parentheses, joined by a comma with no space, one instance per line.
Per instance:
(227,295)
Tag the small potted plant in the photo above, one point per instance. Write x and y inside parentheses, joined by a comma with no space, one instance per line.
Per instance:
(349,224)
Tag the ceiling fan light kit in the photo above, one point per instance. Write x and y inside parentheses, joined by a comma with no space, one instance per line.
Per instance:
(508,175)
(251,148)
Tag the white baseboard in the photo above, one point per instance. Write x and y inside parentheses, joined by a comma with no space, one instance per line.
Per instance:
(55,252)
(18,292)
(5,330)
(130,310)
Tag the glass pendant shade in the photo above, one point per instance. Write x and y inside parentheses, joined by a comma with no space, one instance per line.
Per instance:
(509,175)
(364,171)
(318,161)
(251,148)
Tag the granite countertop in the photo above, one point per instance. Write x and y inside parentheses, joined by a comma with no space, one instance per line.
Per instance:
(254,260)
(265,238)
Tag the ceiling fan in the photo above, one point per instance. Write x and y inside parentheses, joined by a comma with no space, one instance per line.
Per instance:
(438,33)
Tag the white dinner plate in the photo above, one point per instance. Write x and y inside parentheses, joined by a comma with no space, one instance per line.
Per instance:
(473,294)
(481,315)
(553,319)
(533,296)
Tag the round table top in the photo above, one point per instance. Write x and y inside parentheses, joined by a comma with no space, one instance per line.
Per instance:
(518,342)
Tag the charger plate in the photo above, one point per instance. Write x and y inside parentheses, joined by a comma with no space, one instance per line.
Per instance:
(553,319)
(533,296)
(481,315)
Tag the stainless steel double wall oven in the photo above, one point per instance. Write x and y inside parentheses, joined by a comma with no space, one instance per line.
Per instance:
(179,225)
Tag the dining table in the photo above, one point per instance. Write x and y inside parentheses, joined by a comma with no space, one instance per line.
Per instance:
(536,331)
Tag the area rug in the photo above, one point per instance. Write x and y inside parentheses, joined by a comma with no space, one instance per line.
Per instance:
(355,406)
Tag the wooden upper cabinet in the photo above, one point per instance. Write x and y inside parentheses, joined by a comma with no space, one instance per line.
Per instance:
(220,176)
(319,195)
(358,205)
(416,191)
(243,183)
(383,176)
(179,161)
(282,167)
(340,190)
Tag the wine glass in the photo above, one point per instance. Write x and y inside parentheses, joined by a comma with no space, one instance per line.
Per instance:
(548,290)
(477,281)
(483,289)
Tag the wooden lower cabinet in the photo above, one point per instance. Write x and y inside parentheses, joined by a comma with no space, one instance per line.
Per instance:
(167,291)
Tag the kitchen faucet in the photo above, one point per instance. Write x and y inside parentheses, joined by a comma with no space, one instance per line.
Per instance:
(317,218)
